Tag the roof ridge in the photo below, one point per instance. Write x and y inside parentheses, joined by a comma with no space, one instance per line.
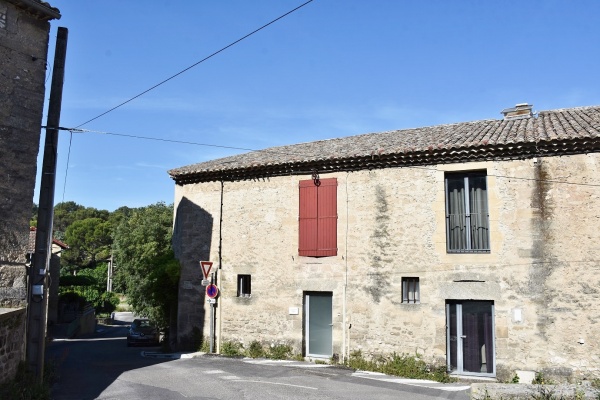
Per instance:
(455,142)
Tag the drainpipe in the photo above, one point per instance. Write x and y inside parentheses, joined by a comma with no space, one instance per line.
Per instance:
(346,335)
(219,273)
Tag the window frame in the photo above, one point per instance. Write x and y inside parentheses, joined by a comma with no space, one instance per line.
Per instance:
(244,285)
(411,290)
(465,240)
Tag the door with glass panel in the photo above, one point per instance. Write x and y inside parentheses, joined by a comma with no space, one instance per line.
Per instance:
(318,324)
(470,337)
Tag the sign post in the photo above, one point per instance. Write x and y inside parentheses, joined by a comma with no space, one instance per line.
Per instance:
(212,291)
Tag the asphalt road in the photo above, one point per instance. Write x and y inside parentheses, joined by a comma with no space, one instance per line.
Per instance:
(103,367)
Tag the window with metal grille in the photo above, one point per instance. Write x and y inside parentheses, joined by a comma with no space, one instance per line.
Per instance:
(410,290)
(244,286)
(467,215)
(318,218)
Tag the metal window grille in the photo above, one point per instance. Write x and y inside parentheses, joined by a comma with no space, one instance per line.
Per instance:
(411,292)
(244,288)
(467,216)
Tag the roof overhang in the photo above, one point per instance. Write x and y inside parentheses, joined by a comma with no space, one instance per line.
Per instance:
(432,156)
(41,10)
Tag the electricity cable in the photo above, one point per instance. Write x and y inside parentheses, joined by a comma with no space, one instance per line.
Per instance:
(197,63)
(67,169)
(78,130)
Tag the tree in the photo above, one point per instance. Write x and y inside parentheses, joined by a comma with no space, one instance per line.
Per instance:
(34,215)
(146,268)
(66,213)
(89,241)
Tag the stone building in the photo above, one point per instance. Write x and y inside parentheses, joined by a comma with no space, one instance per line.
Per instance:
(24,36)
(473,244)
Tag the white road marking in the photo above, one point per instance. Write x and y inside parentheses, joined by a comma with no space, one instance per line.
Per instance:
(214,371)
(277,383)
(411,382)
(89,340)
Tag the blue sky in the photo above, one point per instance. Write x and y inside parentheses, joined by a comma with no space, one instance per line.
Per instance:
(333,68)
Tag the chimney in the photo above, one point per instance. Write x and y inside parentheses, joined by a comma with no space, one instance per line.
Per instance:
(520,111)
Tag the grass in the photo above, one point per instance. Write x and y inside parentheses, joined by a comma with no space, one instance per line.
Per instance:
(25,387)
(257,350)
(404,365)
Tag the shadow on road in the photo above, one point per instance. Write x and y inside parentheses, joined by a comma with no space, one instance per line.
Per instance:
(84,367)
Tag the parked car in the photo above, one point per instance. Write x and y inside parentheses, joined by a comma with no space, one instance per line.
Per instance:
(142,331)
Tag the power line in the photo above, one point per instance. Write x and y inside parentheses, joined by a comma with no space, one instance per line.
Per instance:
(78,130)
(197,63)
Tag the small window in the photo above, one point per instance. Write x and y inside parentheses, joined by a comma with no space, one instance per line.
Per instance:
(244,286)
(410,291)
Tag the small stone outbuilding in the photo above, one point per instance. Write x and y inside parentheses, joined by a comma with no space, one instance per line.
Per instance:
(473,244)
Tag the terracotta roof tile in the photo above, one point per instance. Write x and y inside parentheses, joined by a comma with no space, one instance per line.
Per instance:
(550,132)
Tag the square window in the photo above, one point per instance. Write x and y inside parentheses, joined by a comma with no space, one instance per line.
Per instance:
(467,215)
(411,293)
(244,286)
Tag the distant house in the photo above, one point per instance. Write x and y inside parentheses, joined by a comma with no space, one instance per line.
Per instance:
(473,244)
(24,34)
(57,248)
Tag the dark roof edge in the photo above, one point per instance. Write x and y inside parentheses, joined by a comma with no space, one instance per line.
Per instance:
(38,8)
(433,156)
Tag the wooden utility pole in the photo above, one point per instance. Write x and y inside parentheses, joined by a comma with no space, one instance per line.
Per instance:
(38,288)
(109,277)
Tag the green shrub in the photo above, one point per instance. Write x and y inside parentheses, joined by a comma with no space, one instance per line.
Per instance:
(400,365)
(280,352)
(255,350)
(540,379)
(231,348)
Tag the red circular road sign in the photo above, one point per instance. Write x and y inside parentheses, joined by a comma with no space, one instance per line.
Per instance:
(212,291)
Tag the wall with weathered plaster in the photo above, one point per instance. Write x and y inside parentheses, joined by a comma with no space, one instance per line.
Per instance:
(22,77)
(391,224)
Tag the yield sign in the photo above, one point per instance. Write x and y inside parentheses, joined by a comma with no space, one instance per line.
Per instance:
(206,266)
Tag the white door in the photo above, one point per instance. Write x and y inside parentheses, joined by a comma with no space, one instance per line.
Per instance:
(318,324)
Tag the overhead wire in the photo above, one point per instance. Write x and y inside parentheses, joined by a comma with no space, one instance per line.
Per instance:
(80,130)
(172,77)
(196,64)
(276,151)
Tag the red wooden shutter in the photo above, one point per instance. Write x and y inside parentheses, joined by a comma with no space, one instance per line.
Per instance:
(307,244)
(318,218)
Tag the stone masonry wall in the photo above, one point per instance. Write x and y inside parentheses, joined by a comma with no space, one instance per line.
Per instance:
(542,273)
(22,76)
(12,339)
